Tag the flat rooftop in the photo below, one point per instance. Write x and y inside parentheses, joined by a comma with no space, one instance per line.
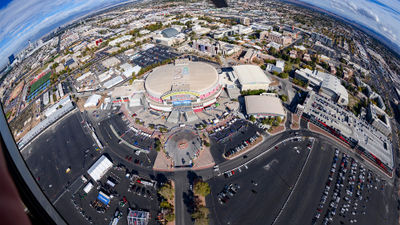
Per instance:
(251,74)
(264,105)
(349,125)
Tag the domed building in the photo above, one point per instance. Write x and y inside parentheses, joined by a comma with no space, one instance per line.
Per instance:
(169,32)
(169,36)
(184,84)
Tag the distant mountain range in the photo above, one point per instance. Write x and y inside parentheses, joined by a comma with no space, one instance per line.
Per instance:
(393,47)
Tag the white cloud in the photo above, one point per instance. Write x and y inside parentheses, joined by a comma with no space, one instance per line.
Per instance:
(382,16)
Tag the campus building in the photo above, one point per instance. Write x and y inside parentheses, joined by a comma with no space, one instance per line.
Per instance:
(251,77)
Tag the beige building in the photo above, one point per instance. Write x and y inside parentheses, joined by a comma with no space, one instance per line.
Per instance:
(276,37)
(261,106)
(251,77)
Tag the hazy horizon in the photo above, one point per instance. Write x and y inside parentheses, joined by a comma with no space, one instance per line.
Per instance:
(30,20)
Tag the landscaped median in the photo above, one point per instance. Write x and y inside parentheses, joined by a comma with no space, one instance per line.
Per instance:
(295,124)
(201,212)
(250,146)
(167,204)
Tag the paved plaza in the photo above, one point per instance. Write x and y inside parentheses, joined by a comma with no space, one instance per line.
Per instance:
(183,146)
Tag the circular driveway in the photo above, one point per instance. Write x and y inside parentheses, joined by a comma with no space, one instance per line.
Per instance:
(182,146)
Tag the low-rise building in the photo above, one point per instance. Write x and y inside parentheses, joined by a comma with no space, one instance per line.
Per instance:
(120,40)
(279,67)
(379,119)
(328,85)
(266,105)
(92,101)
(367,141)
(251,77)
(276,37)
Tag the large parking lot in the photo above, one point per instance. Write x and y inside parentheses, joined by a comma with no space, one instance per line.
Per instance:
(348,190)
(231,135)
(132,137)
(354,195)
(314,200)
(68,145)
(264,186)
(154,55)
(127,193)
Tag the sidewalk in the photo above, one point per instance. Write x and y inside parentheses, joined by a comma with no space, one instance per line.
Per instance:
(277,130)
(162,163)
(205,160)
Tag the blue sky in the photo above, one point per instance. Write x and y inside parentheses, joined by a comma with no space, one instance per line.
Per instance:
(382,16)
(22,20)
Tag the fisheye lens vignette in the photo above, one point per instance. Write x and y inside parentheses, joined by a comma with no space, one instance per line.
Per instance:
(207,112)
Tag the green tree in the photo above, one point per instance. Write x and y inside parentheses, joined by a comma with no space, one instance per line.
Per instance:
(284,98)
(167,191)
(252,119)
(170,217)
(201,215)
(166,205)
(201,221)
(157,144)
(201,212)
(202,188)
(284,75)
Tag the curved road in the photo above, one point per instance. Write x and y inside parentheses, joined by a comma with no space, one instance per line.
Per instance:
(181,177)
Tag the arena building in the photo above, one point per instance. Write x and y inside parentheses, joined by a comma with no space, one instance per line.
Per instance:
(182,86)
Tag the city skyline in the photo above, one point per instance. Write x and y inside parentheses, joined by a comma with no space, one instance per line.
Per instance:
(19,25)
(23,21)
(381,16)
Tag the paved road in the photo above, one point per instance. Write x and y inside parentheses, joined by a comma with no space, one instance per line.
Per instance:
(183,216)
(308,190)
(118,152)
(275,174)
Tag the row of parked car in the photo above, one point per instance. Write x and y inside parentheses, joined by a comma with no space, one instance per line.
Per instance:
(345,185)
(228,192)
(243,146)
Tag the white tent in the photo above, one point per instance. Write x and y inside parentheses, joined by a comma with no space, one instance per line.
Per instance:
(99,168)
(88,187)
(92,101)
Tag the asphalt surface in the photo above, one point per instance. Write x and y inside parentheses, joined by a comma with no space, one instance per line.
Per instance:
(235,138)
(182,195)
(305,198)
(65,145)
(112,144)
(182,146)
(275,174)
